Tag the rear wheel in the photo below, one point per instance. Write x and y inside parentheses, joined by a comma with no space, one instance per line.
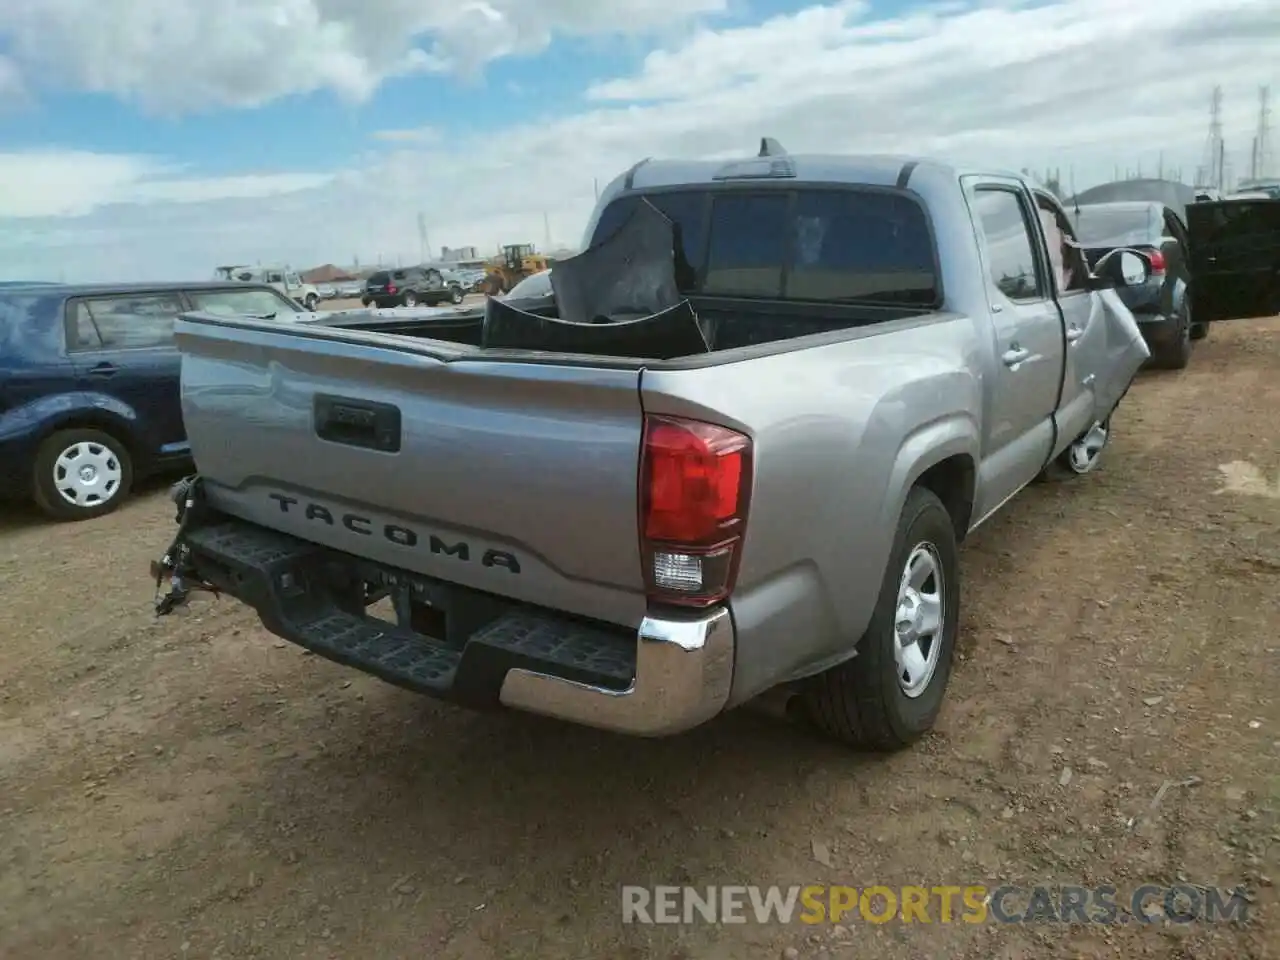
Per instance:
(889,695)
(1175,353)
(312,302)
(81,474)
(455,295)
(1199,331)
(409,300)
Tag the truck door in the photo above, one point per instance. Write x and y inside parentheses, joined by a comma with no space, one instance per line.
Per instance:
(1234,249)
(1022,396)
(1083,327)
(122,347)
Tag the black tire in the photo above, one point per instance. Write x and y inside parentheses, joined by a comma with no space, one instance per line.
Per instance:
(365,301)
(1199,331)
(312,302)
(456,295)
(409,300)
(860,701)
(1175,353)
(45,487)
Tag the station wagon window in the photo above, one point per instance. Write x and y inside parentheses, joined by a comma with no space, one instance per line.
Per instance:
(251,303)
(1011,258)
(123,322)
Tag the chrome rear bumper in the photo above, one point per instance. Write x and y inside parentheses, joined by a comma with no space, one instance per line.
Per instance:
(684,671)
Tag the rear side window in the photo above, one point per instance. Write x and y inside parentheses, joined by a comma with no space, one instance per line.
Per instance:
(1002,216)
(835,244)
(380,277)
(123,323)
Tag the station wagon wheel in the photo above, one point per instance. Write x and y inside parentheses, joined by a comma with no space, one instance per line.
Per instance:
(410,300)
(81,473)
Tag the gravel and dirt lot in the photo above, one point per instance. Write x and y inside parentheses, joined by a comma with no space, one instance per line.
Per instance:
(193,788)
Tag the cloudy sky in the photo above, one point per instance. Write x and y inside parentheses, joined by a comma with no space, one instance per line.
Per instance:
(154,139)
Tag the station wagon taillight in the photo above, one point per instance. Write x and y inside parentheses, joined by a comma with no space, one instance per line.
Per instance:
(391,288)
(1157,262)
(695,487)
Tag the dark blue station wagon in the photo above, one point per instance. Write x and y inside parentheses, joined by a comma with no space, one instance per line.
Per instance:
(89,386)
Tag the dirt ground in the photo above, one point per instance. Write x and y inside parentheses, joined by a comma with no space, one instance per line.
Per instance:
(191,787)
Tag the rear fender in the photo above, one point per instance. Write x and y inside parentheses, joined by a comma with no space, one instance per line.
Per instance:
(46,415)
(954,435)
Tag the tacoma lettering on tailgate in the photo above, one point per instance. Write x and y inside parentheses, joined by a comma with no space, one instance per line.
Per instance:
(395,533)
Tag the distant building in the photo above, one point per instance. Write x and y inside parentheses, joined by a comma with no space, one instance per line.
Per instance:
(455,254)
(327,274)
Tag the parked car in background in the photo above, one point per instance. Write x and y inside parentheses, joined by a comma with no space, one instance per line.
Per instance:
(89,376)
(1161,305)
(531,287)
(284,279)
(408,287)
(350,289)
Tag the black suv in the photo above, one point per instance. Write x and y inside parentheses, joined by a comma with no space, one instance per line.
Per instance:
(409,287)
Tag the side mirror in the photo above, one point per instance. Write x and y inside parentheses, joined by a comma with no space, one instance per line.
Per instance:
(1123,268)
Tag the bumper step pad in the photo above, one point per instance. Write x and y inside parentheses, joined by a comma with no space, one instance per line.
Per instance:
(287,581)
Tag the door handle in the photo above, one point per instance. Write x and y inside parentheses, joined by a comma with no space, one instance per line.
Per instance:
(1014,356)
(1074,333)
(103,370)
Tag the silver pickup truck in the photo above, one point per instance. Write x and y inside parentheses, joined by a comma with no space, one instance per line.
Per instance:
(885,350)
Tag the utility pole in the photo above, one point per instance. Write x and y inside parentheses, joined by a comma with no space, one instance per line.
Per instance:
(423,241)
(1261,167)
(546,231)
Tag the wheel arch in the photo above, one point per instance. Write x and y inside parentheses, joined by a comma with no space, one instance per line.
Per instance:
(942,457)
(97,418)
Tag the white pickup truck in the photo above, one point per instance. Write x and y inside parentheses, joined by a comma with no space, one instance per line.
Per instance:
(284,279)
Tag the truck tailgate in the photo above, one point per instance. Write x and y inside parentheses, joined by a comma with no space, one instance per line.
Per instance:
(515,478)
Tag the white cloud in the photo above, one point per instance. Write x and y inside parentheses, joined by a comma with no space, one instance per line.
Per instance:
(68,183)
(188,55)
(1083,85)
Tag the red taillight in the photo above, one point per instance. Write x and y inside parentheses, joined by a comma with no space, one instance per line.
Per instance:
(391,288)
(1157,261)
(695,485)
